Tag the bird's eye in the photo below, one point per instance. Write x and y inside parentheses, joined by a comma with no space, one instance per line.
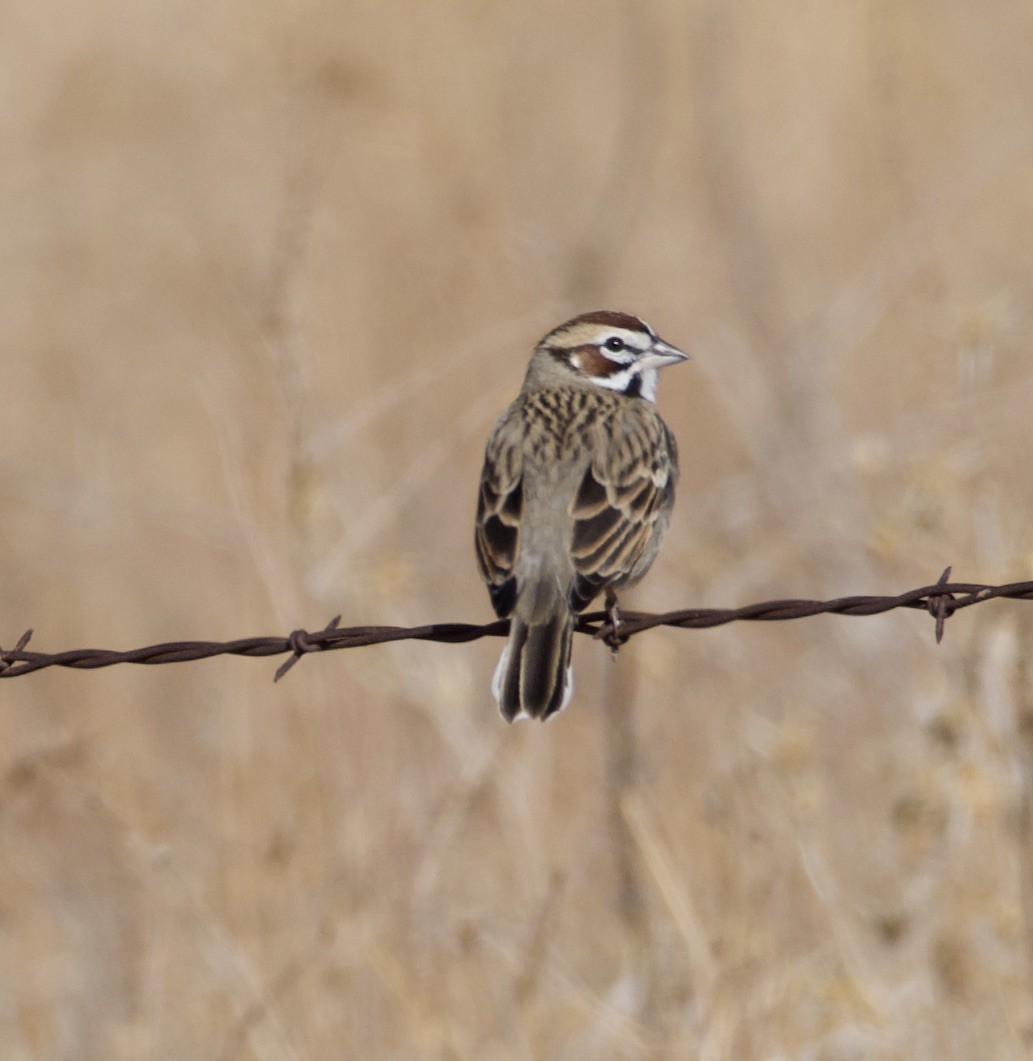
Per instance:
(614,344)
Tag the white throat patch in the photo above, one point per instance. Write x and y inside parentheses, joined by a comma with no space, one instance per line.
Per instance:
(624,380)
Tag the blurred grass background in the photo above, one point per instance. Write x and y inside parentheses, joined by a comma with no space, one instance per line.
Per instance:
(267,275)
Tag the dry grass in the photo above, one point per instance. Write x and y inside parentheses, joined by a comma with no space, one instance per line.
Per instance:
(267,274)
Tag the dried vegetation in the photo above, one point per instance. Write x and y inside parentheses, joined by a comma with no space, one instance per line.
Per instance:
(267,273)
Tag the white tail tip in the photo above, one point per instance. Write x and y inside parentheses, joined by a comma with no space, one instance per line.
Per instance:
(500,673)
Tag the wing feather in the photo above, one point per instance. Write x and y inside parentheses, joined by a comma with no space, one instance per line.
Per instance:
(621,507)
(500,505)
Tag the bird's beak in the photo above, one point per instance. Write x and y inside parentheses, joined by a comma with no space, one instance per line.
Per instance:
(661,354)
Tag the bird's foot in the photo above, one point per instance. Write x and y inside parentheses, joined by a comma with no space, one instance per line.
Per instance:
(613,618)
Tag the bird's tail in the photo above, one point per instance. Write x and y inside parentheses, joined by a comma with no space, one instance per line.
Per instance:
(534,678)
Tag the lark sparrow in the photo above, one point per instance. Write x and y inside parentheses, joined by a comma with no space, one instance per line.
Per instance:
(575,495)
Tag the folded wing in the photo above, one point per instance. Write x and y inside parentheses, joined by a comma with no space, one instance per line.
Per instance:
(620,511)
(500,505)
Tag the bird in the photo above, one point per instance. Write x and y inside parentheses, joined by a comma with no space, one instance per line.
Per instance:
(575,496)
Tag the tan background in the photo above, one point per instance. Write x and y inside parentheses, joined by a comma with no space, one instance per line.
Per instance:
(267,274)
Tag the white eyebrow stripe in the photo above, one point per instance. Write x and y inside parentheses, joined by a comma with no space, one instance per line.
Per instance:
(587,334)
(636,340)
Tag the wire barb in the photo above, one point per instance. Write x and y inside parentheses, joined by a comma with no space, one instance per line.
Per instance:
(941,600)
(941,605)
(301,641)
(6,659)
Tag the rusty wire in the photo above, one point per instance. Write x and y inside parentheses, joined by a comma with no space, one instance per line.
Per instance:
(941,600)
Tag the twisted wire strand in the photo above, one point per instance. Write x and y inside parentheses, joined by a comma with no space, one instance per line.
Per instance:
(940,599)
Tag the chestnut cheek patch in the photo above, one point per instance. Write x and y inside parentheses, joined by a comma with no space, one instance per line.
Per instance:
(591,362)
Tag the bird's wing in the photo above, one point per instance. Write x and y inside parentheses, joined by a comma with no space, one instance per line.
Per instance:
(500,505)
(621,506)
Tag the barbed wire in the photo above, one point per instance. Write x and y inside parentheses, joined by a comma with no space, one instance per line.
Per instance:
(941,600)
